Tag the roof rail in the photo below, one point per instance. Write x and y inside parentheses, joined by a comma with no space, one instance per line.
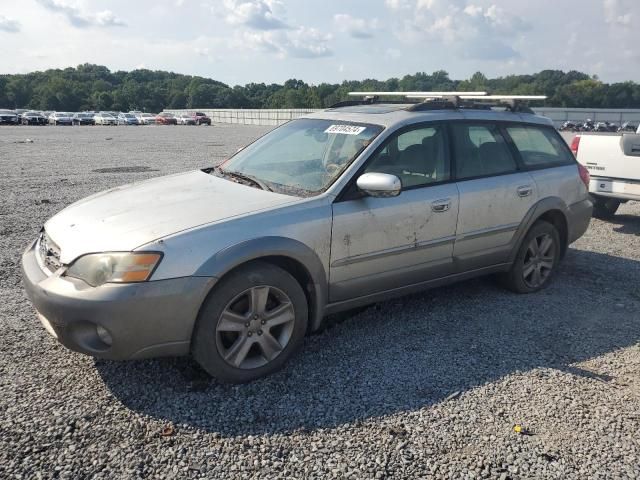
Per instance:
(414,94)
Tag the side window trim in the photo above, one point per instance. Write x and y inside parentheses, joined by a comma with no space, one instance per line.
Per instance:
(499,127)
(346,193)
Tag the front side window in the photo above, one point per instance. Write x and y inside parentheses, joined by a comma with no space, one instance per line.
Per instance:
(539,147)
(480,150)
(417,156)
(304,156)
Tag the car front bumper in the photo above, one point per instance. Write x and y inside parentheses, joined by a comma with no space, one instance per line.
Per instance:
(149,319)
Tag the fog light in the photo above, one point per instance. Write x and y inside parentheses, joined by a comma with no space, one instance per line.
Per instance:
(104,335)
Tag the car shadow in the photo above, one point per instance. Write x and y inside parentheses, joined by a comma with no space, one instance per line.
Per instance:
(403,355)
(629,224)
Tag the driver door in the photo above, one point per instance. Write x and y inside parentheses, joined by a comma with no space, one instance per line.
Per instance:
(380,244)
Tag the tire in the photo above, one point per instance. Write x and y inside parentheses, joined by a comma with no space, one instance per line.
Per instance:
(530,273)
(605,208)
(237,342)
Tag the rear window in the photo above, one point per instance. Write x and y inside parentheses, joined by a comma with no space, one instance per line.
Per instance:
(539,147)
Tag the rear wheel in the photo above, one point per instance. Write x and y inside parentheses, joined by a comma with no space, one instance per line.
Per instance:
(605,208)
(250,324)
(536,261)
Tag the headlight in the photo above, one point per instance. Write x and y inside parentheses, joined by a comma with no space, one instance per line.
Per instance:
(99,268)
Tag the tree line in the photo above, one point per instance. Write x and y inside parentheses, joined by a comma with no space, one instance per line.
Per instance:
(95,87)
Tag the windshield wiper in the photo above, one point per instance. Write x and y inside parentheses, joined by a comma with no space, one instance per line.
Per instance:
(244,177)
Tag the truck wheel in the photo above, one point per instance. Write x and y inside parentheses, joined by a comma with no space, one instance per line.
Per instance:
(251,324)
(605,208)
(537,259)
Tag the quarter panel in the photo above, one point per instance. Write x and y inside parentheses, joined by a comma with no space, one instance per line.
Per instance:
(563,182)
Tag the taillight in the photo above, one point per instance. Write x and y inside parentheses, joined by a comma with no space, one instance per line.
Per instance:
(584,175)
(575,144)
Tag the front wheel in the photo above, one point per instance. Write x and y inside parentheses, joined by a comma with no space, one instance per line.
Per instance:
(537,259)
(605,208)
(251,324)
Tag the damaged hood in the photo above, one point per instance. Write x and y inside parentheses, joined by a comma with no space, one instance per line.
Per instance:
(127,217)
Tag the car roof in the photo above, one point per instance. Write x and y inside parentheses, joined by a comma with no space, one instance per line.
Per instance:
(398,114)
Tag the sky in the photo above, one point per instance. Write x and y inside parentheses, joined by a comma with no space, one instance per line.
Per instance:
(242,41)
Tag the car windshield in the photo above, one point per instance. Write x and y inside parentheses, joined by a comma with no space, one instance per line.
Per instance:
(302,157)
(7,112)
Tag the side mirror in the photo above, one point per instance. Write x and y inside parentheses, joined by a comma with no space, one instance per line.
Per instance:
(379,184)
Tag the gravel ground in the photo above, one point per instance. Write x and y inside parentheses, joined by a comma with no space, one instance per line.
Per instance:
(428,386)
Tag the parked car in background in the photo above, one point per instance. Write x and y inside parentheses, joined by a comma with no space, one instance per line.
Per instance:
(8,117)
(33,118)
(61,118)
(628,127)
(83,118)
(146,118)
(614,164)
(186,119)
(166,118)
(339,209)
(127,119)
(201,118)
(103,118)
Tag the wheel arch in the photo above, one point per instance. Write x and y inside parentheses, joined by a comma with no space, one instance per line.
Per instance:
(291,255)
(550,209)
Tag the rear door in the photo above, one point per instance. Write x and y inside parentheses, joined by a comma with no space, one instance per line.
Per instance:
(495,195)
(380,244)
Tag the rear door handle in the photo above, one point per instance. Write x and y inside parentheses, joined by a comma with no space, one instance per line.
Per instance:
(441,205)
(525,190)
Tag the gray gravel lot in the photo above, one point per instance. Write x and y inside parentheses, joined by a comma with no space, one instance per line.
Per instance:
(428,386)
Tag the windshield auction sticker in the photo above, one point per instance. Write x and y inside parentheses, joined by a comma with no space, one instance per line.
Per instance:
(345,129)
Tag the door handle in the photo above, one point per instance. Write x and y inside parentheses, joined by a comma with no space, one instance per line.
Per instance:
(524,190)
(441,205)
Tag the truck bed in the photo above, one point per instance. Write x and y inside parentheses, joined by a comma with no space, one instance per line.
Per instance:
(611,156)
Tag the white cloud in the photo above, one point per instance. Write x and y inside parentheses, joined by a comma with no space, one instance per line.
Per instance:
(302,42)
(355,27)
(471,31)
(9,25)
(257,14)
(613,13)
(79,19)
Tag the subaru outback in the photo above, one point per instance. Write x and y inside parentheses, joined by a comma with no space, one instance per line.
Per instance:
(355,204)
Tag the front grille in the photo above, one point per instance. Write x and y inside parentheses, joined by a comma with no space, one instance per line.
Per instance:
(49,253)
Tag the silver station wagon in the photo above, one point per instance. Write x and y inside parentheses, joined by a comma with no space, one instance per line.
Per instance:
(364,201)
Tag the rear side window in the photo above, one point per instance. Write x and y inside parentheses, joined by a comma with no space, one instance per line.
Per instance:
(480,150)
(539,147)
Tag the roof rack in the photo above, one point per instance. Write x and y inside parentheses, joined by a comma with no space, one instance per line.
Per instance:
(449,100)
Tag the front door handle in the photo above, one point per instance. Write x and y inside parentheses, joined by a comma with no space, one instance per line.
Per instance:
(525,190)
(441,205)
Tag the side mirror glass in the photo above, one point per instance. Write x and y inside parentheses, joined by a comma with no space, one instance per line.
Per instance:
(379,184)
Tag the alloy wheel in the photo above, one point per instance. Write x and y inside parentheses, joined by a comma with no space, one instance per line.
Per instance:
(539,260)
(255,327)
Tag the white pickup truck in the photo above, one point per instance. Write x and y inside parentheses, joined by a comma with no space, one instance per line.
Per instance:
(613,162)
